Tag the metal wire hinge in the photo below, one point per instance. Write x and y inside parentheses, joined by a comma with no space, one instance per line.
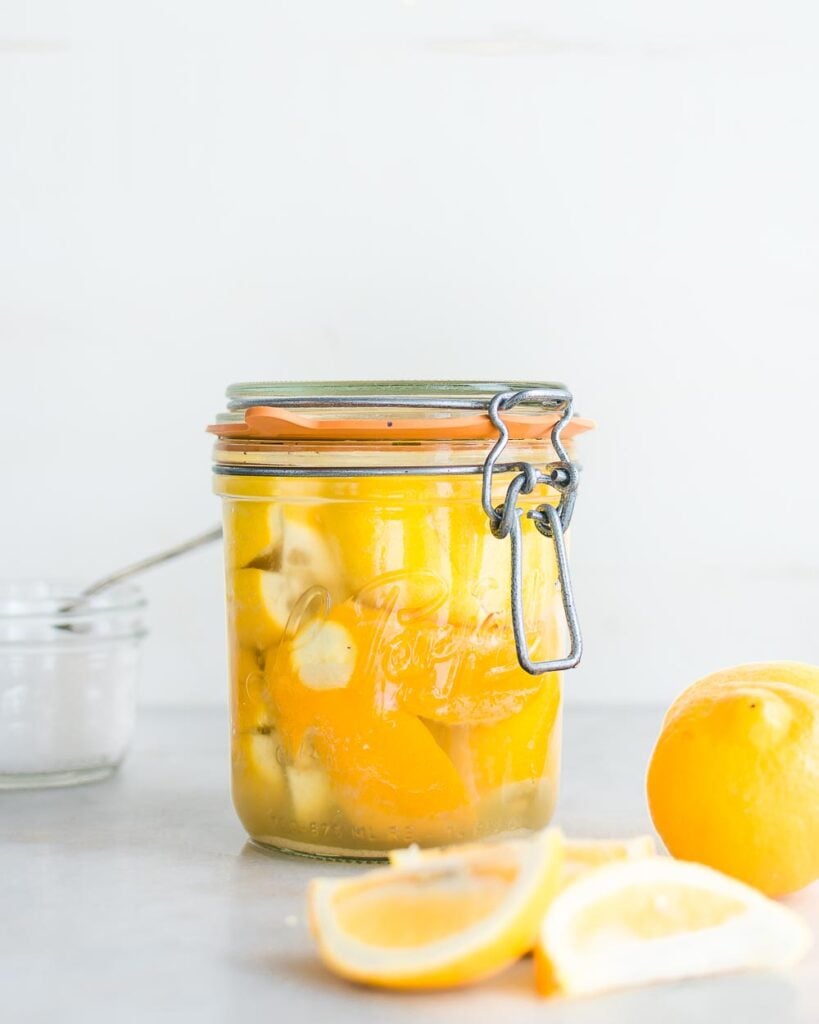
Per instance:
(551,521)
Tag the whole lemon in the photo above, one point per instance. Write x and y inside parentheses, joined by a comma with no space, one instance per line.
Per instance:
(733,781)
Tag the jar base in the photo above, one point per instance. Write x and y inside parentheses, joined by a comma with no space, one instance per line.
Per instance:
(48,780)
(293,848)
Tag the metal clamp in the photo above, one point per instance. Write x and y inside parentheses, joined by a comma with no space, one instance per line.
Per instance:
(504,520)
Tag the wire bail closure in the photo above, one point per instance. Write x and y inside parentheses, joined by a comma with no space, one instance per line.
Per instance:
(504,520)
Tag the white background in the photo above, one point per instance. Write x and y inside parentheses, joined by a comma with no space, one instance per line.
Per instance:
(622,196)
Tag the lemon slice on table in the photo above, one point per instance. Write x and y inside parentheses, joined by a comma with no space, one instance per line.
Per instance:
(580,856)
(584,855)
(657,919)
(439,923)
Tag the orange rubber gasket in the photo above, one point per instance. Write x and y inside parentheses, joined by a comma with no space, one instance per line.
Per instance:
(270,423)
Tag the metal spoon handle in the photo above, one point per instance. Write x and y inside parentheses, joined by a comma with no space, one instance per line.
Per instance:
(148,563)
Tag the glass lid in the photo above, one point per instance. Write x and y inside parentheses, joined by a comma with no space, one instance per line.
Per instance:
(368,409)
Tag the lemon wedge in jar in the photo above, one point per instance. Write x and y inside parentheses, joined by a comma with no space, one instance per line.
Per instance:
(263,599)
(261,603)
(252,707)
(259,751)
(324,655)
(310,794)
(423,545)
(455,675)
(437,924)
(258,780)
(388,775)
(253,531)
(518,748)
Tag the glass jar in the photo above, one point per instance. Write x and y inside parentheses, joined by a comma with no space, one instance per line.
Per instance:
(68,675)
(397,600)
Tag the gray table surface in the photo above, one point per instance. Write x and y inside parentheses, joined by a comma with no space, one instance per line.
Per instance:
(138,899)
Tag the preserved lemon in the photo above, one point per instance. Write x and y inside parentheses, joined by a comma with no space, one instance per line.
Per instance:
(378,698)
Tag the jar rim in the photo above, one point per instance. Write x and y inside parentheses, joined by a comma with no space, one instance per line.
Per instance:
(45,599)
(477,389)
(400,409)
(244,394)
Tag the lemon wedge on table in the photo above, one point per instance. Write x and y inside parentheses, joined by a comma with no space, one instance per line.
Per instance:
(438,923)
(580,856)
(584,855)
(656,919)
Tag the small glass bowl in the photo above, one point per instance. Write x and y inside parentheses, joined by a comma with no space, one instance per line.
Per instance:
(68,675)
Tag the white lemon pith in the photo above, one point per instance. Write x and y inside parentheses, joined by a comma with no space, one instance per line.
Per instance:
(310,794)
(324,656)
(437,923)
(656,919)
(265,598)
